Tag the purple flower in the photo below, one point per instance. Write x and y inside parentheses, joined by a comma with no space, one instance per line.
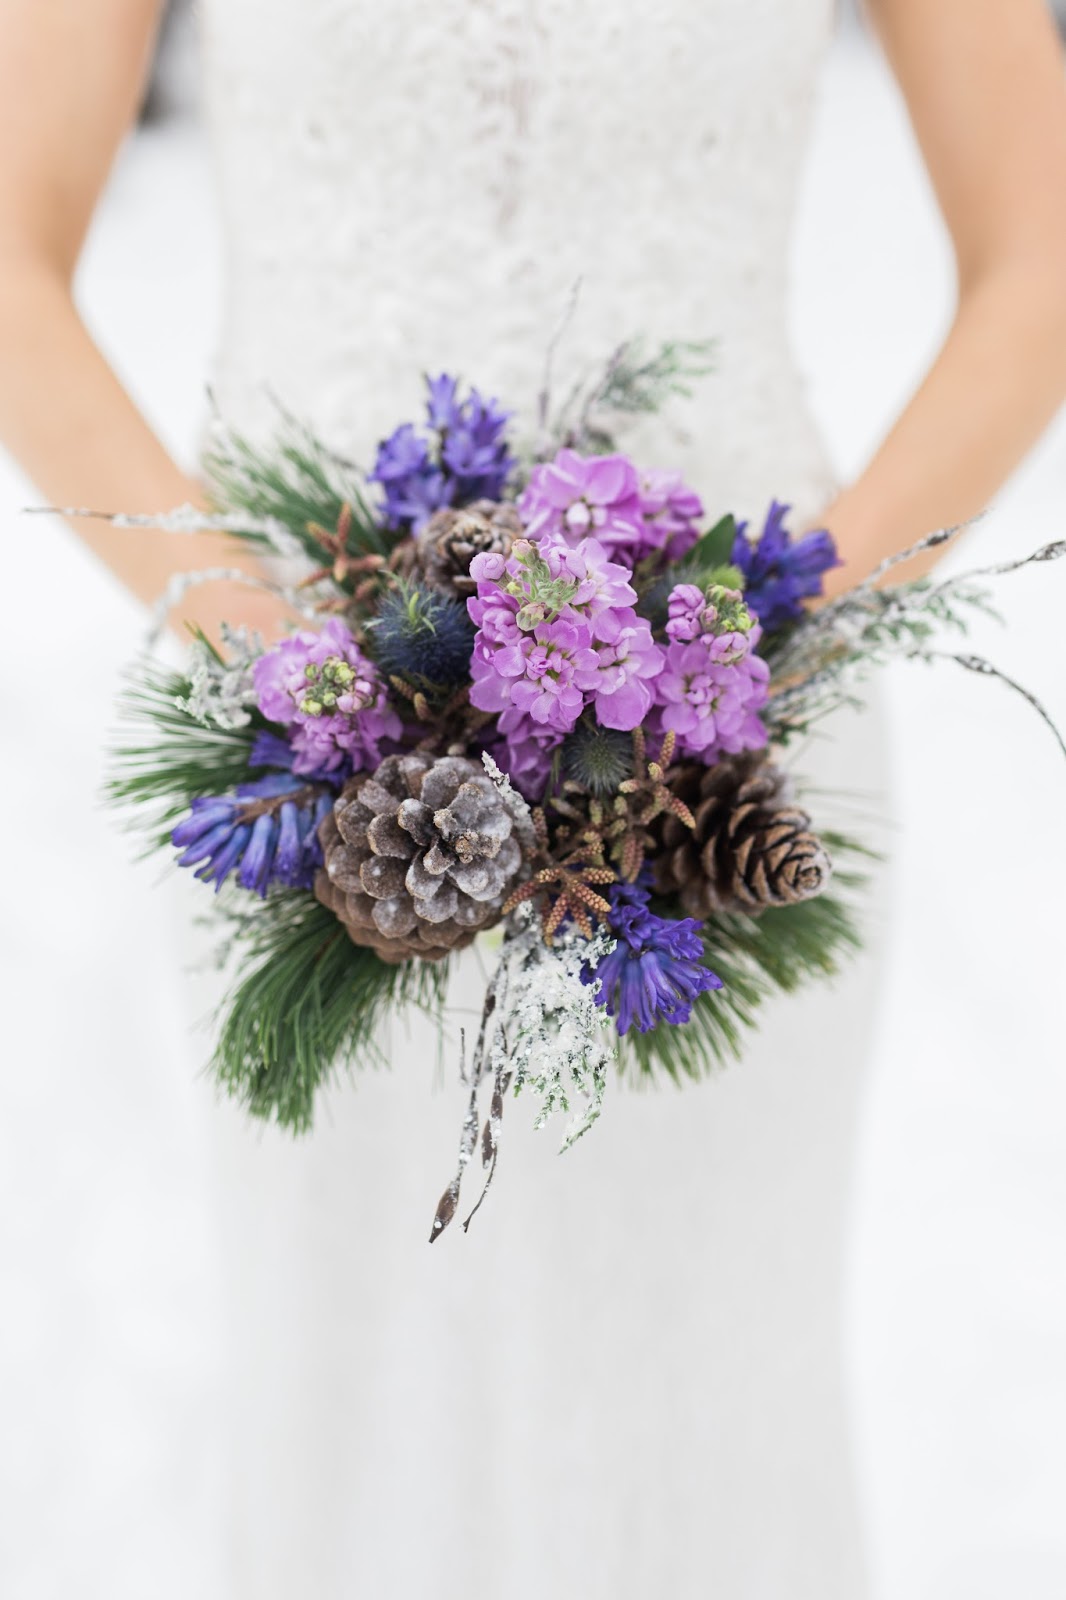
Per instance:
(324,688)
(712,707)
(443,407)
(464,456)
(474,450)
(714,683)
(577,497)
(670,511)
(413,482)
(655,972)
(716,615)
(525,750)
(540,674)
(779,572)
(267,831)
(557,632)
(622,693)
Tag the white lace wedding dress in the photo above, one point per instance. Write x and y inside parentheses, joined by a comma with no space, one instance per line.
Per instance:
(626,1379)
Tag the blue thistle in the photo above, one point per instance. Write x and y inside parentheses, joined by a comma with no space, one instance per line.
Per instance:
(781,572)
(423,636)
(655,972)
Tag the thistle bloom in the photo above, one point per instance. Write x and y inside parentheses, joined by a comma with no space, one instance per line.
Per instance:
(267,831)
(780,572)
(328,693)
(655,972)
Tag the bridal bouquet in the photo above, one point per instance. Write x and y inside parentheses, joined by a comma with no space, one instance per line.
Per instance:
(537,694)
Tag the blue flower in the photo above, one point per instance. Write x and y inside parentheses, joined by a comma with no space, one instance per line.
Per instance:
(464,456)
(655,972)
(474,450)
(413,483)
(779,572)
(443,408)
(267,831)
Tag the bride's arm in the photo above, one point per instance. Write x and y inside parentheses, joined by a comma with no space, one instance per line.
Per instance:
(71,74)
(985,85)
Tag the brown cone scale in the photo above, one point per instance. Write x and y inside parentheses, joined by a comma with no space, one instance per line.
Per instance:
(419,856)
(751,847)
(451,539)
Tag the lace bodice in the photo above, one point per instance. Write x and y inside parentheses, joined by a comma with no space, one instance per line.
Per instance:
(416,186)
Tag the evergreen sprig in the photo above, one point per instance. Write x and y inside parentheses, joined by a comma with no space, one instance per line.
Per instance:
(166,757)
(294,480)
(756,957)
(777,952)
(306,1002)
(637,380)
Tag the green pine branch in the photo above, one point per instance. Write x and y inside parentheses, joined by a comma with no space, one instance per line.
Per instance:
(777,952)
(164,758)
(307,1002)
(296,481)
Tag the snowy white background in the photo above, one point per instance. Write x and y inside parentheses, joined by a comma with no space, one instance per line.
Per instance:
(958,1311)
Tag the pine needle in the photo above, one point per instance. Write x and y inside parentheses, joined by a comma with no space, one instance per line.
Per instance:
(307,1002)
(776,952)
(155,774)
(295,481)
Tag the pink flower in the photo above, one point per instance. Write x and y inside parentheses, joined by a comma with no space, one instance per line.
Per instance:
(622,691)
(718,616)
(578,497)
(538,674)
(524,751)
(324,684)
(670,511)
(712,707)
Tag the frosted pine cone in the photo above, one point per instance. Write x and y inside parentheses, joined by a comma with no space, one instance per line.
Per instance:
(419,857)
(451,539)
(751,847)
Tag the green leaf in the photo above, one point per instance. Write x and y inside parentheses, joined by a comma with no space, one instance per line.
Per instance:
(715,548)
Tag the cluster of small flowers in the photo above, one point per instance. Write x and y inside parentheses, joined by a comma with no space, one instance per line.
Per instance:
(781,572)
(462,455)
(558,632)
(713,684)
(329,695)
(655,971)
(266,831)
(604,497)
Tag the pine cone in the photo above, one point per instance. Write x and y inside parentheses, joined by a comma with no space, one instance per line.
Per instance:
(751,847)
(418,857)
(451,539)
